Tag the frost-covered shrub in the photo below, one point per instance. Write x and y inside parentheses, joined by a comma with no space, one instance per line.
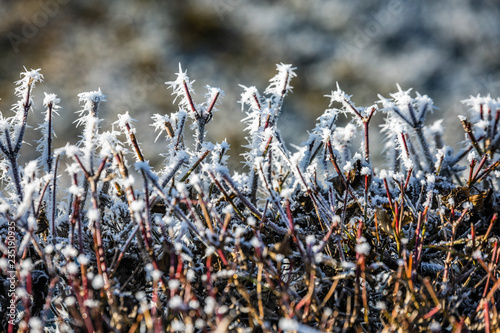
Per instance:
(310,238)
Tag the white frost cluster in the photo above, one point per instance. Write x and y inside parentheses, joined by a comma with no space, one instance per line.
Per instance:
(91,100)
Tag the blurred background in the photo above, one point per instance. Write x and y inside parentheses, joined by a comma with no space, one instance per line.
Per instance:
(129,48)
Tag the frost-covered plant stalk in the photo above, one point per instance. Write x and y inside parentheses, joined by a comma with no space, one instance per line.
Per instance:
(13,127)
(51,103)
(314,238)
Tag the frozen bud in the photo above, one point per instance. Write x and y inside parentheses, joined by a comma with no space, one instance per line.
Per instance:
(156,274)
(251,221)
(82,259)
(209,305)
(190,275)
(435,326)
(178,247)
(209,251)
(97,282)
(30,168)
(93,214)
(129,181)
(4,264)
(137,206)
(477,254)
(194,304)
(472,156)
(318,258)
(70,301)
(239,231)
(286,193)
(363,248)
(365,171)
(69,251)
(227,210)
(26,267)
(258,161)
(199,323)
(327,312)
(348,166)
(72,268)
(4,208)
(181,187)
(482,124)
(21,292)
(173,284)
(140,295)
(168,220)
(76,190)
(288,324)
(175,302)
(91,303)
(310,239)
(124,120)
(195,180)
(222,309)
(347,265)
(467,205)
(51,99)
(31,223)
(255,242)
(36,325)
(398,176)
(177,326)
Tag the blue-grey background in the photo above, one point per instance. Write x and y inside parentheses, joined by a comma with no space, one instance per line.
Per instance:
(446,49)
